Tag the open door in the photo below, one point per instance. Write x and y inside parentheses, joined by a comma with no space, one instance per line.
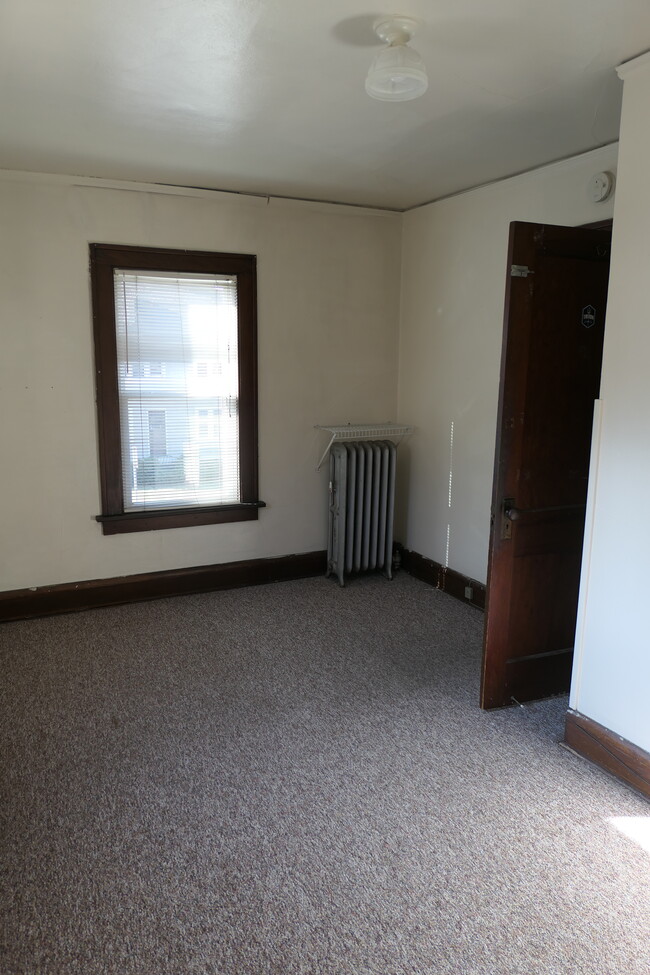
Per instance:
(550,376)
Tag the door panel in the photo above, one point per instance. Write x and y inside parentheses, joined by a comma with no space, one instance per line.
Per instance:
(552,353)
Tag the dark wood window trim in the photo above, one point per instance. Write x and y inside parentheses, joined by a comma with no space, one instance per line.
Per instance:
(104,259)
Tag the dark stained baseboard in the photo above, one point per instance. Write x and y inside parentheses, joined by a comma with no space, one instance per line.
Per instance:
(20,604)
(606,749)
(443,578)
(71,597)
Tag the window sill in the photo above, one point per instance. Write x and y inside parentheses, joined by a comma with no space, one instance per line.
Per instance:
(146,521)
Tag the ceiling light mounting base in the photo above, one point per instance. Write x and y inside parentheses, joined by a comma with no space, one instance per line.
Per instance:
(395,30)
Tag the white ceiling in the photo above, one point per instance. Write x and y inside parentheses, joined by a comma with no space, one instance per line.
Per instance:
(267,96)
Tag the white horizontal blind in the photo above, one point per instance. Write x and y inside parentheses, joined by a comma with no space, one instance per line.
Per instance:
(178,388)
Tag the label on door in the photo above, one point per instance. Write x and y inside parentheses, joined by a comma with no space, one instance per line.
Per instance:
(589,316)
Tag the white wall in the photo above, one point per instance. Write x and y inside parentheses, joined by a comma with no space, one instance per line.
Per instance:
(453,285)
(328,292)
(611,680)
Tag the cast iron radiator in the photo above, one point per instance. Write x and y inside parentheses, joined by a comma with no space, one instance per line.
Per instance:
(361,507)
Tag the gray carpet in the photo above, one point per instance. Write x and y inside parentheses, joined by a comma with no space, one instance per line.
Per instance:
(297,779)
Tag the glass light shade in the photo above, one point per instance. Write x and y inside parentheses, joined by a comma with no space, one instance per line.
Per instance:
(397,74)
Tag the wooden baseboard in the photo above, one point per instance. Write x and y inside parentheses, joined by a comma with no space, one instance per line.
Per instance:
(19,604)
(443,578)
(606,749)
(71,597)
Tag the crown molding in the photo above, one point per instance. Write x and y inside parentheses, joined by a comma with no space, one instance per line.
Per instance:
(625,69)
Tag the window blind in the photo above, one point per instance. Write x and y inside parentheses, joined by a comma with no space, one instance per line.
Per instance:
(178,384)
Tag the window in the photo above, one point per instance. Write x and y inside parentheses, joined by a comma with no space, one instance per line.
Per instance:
(176,364)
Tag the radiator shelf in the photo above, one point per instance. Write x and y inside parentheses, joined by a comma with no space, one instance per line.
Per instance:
(363,431)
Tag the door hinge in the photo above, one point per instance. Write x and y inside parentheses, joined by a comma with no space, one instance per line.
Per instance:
(520,271)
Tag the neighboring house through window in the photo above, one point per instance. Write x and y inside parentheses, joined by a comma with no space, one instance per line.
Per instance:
(176,361)
(157,433)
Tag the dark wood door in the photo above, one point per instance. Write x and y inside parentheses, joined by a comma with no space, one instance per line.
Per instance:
(550,376)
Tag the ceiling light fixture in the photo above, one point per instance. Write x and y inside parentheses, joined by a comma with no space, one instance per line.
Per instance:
(397,73)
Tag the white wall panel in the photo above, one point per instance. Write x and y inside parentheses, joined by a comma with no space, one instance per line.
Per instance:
(328,295)
(453,286)
(612,669)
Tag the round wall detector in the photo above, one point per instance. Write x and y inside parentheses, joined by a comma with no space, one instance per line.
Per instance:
(600,187)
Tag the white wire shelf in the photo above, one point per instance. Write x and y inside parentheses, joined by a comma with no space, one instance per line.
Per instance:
(363,431)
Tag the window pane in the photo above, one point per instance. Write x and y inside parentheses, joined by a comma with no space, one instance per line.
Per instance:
(178,388)
(157,433)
